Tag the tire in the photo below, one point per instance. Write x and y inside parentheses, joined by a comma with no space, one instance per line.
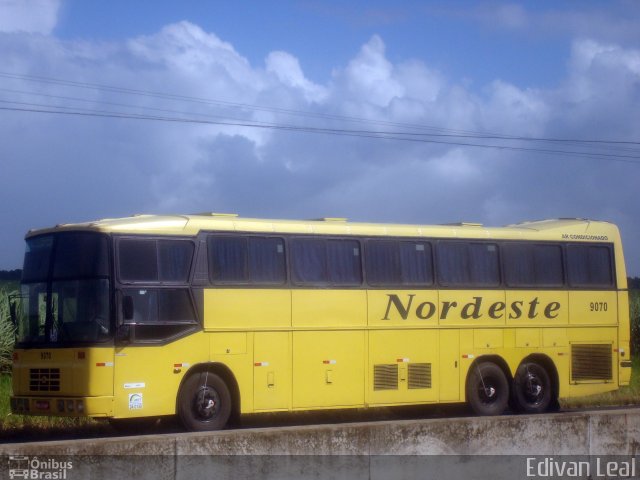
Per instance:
(532,388)
(204,403)
(487,389)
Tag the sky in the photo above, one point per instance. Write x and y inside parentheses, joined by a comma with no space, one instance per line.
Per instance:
(378,111)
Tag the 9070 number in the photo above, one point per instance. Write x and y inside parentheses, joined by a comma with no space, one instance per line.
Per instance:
(598,306)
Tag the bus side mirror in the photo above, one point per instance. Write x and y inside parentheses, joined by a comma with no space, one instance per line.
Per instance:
(127,308)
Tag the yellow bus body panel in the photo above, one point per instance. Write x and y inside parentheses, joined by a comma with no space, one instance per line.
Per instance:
(272,371)
(320,308)
(403,366)
(147,377)
(252,309)
(328,369)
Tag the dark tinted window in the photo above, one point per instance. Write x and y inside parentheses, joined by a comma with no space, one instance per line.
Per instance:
(80,255)
(415,263)
(258,260)
(161,306)
(343,262)
(155,333)
(533,265)
(309,261)
(319,261)
(589,266)
(174,260)
(468,264)
(382,263)
(266,260)
(144,260)
(160,313)
(399,263)
(76,255)
(37,258)
(228,259)
(138,260)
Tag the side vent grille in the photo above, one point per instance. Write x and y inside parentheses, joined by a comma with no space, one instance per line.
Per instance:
(419,375)
(591,362)
(44,380)
(385,377)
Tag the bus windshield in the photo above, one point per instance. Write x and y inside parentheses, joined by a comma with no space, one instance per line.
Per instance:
(65,290)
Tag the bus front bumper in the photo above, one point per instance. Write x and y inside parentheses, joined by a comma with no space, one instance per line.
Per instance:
(63,406)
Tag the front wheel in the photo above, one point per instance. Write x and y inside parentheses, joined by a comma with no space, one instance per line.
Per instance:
(204,403)
(532,388)
(487,389)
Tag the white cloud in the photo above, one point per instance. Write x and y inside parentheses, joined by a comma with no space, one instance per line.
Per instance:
(185,49)
(31,16)
(77,168)
(511,110)
(370,77)
(287,69)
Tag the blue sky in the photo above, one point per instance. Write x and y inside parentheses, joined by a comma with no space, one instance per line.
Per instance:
(540,70)
(322,35)
(466,39)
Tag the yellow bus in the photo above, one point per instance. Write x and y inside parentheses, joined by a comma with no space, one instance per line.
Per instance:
(211,316)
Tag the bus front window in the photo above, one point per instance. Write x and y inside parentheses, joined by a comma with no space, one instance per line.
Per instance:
(65,291)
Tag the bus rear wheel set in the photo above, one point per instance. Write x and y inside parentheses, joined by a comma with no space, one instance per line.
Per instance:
(489,391)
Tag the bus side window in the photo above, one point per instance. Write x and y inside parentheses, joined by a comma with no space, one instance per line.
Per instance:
(321,262)
(247,260)
(589,266)
(468,264)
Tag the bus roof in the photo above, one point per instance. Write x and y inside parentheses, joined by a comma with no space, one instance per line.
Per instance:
(572,229)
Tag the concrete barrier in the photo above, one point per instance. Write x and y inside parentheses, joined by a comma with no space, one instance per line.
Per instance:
(362,449)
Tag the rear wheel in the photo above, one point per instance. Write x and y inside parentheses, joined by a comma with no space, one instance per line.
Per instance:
(532,388)
(204,402)
(487,389)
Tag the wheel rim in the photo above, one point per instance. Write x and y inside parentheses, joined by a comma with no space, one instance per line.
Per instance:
(206,404)
(533,389)
(487,391)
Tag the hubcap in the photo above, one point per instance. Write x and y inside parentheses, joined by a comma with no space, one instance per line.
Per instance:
(206,403)
(488,393)
(533,388)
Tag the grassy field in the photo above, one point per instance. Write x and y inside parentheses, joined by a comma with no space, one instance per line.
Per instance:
(6,328)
